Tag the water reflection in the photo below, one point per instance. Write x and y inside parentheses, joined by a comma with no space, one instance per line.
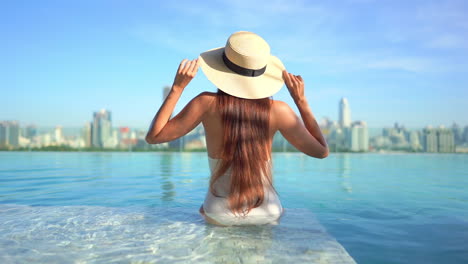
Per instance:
(101,164)
(344,171)
(168,193)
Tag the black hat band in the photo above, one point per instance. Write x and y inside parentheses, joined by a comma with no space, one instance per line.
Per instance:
(241,70)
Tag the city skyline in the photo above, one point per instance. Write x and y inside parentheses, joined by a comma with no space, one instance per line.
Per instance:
(340,113)
(342,135)
(397,61)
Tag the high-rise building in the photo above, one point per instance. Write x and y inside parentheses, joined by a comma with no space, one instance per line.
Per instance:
(3,134)
(14,134)
(465,135)
(429,140)
(30,132)
(86,134)
(46,139)
(101,129)
(344,113)
(445,140)
(336,140)
(359,137)
(414,140)
(127,138)
(9,134)
(58,135)
(457,134)
(438,140)
(398,136)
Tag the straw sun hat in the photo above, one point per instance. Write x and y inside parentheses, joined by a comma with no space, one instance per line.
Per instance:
(244,67)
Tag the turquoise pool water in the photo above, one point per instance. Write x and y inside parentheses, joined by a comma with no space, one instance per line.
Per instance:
(142,208)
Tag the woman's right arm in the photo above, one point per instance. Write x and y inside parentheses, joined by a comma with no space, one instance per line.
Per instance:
(306,137)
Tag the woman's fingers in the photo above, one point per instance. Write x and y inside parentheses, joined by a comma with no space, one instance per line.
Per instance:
(187,67)
(287,78)
(182,65)
(297,79)
(185,73)
(293,79)
(285,75)
(193,67)
(295,84)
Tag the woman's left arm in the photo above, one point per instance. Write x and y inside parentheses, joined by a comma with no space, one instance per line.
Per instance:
(162,129)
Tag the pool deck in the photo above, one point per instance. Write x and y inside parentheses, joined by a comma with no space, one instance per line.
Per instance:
(95,234)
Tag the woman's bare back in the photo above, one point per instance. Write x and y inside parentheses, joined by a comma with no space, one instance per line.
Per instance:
(213,126)
(282,118)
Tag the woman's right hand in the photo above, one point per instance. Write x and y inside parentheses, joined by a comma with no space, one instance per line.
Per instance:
(185,73)
(295,85)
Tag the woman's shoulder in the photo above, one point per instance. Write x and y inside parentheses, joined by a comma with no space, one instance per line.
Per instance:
(204,101)
(205,97)
(280,107)
(281,114)
(207,94)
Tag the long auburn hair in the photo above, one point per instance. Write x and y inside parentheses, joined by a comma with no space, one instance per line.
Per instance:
(245,150)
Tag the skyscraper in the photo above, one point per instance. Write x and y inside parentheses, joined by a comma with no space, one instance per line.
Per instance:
(414,140)
(359,137)
(429,141)
(457,134)
(9,134)
(445,140)
(3,134)
(344,113)
(31,132)
(58,135)
(14,134)
(101,129)
(465,135)
(86,134)
(438,140)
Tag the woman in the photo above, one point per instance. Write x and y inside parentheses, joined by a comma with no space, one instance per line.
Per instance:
(240,121)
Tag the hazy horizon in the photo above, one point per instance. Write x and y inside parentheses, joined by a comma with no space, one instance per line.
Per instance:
(76,130)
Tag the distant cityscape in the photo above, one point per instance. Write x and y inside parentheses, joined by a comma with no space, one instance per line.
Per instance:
(343,135)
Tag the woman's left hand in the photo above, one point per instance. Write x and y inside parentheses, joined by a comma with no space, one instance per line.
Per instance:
(185,73)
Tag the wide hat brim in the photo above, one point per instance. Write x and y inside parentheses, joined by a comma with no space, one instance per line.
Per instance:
(238,85)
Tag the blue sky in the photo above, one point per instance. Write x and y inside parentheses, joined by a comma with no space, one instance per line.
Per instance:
(404,61)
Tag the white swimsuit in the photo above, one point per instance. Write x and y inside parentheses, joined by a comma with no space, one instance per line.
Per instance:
(217,208)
